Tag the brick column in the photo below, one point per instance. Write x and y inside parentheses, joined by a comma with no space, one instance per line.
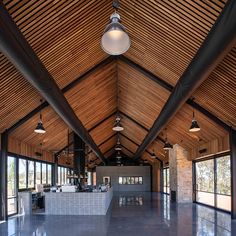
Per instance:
(180,174)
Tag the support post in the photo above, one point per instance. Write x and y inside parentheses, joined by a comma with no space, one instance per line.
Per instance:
(3,176)
(79,155)
(233,172)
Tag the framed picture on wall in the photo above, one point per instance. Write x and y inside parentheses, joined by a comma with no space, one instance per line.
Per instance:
(106,180)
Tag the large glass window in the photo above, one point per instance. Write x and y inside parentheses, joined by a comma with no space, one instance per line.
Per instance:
(11,186)
(31,174)
(22,173)
(38,172)
(44,173)
(213,182)
(166,180)
(223,183)
(49,174)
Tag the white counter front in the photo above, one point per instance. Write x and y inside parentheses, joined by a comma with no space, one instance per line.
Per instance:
(81,203)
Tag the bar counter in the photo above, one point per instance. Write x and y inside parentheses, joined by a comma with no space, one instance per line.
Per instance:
(78,203)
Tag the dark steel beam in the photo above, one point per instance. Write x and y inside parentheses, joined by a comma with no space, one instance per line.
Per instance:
(220,40)
(170,88)
(3,177)
(15,47)
(55,171)
(233,172)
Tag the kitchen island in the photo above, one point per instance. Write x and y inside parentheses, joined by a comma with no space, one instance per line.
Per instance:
(78,203)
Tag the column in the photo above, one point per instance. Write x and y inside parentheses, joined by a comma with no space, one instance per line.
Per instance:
(233,172)
(3,176)
(181,187)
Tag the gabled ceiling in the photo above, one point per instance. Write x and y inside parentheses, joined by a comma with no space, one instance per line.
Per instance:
(165,36)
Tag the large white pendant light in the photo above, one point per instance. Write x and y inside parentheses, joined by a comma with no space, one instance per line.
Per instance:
(115,40)
(39,129)
(118,127)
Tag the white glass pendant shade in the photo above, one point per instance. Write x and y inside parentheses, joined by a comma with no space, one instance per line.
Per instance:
(115,40)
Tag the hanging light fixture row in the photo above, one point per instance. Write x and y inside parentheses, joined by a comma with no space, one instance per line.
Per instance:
(40,128)
(115,40)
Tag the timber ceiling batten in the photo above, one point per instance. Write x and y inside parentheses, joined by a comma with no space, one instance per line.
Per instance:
(19,52)
(217,44)
(159,28)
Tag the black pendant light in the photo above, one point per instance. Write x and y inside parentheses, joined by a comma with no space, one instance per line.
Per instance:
(39,129)
(118,146)
(167,145)
(115,40)
(194,126)
(153,155)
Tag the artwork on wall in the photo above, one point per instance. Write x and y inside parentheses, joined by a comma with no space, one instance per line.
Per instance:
(131,180)
(106,180)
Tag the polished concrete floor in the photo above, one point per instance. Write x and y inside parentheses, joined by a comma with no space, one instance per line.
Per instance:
(130,214)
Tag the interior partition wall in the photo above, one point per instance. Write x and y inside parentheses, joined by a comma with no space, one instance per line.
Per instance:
(213,181)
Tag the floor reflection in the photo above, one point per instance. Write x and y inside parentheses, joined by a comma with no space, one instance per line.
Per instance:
(130,201)
(130,214)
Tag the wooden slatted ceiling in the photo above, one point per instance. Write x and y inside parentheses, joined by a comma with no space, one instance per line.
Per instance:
(178,129)
(66,37)
(217,93)
(128,144)
(139,97)
(64,34)
(132,130)
(107,145)
(166,34)
(103,131)
(93,99)
(54,139)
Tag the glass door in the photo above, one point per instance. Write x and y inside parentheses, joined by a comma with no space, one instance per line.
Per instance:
(213,182)
(205,181)
(11,186)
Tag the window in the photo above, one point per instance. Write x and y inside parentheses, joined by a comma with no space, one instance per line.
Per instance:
(213,182)
(30,174)
(11,186)
(49,174)
(38,172)
(22,173)
(166,180)
(223,183)
(59,175)
(62,175)
(44,173)
(130,180)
